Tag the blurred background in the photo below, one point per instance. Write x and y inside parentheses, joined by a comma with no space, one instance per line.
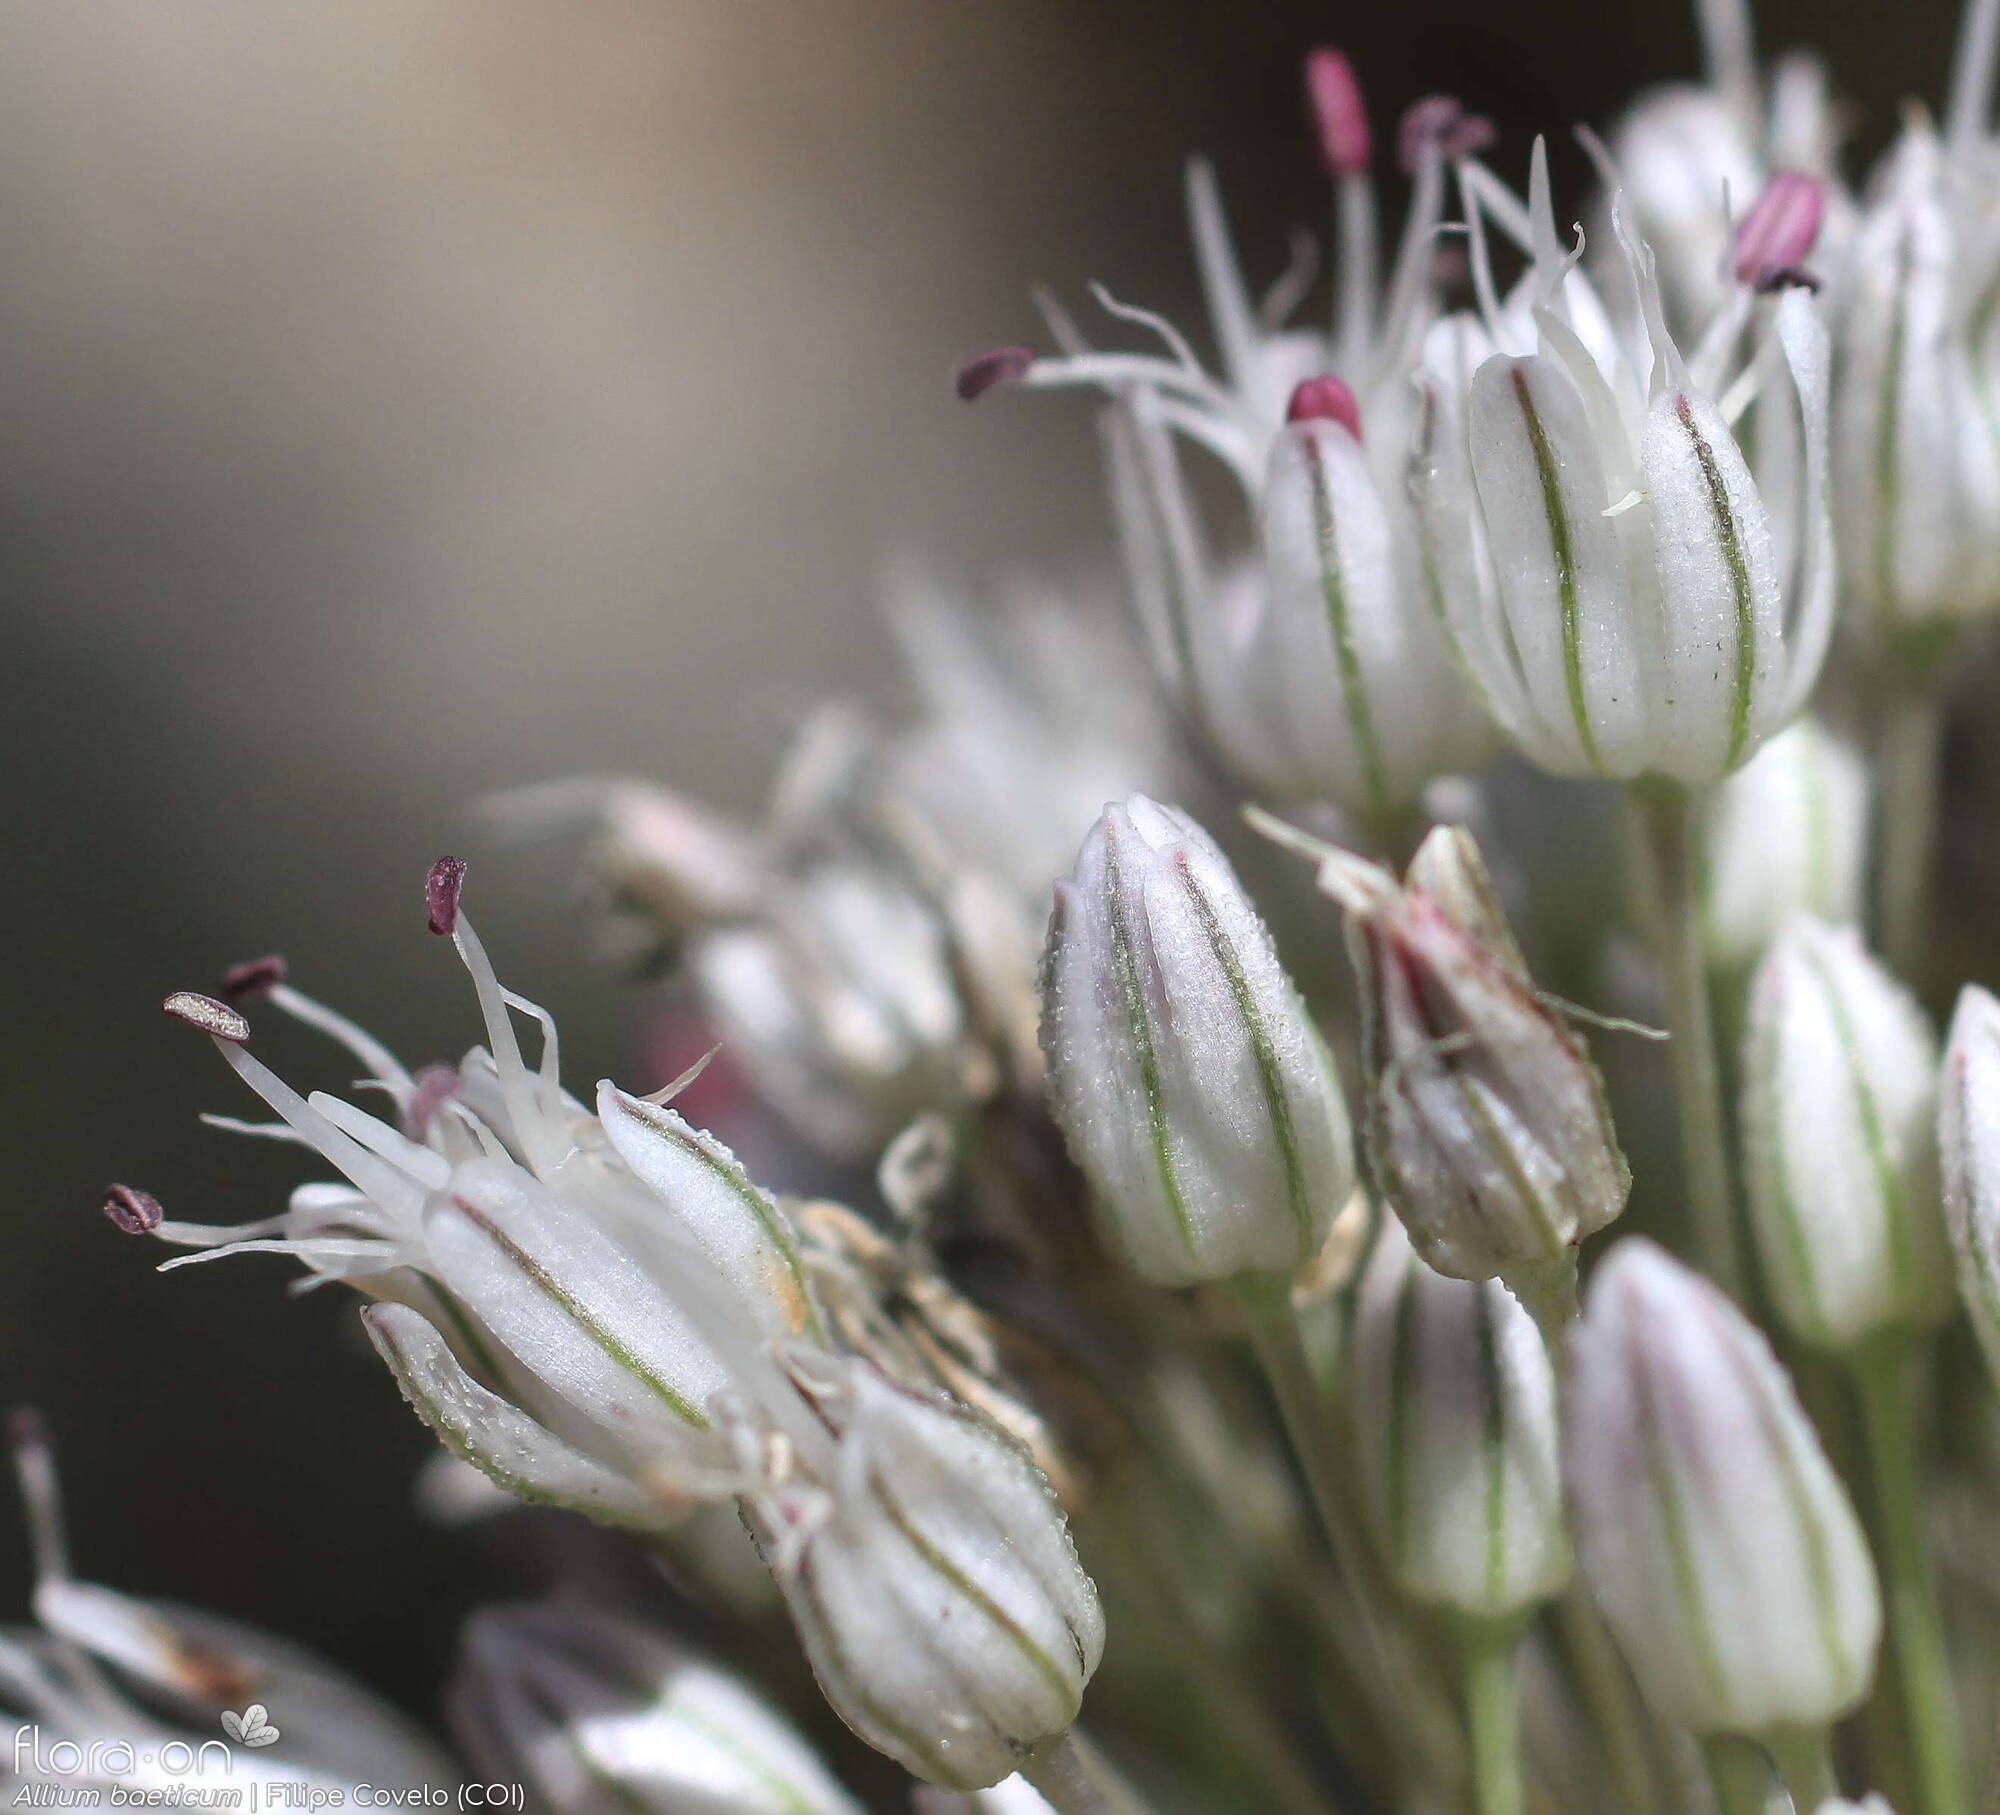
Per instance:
(406,400)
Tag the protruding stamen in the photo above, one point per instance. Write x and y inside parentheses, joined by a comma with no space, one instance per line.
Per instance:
(442,888)
(136,1212)
(1325,398)
(1439,126)
(41,1498)
(216,1019)
(243,983)
(1338,112)
(997,365)
(1773,239)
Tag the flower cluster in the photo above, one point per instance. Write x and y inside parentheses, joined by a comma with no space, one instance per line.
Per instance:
(1345,1474)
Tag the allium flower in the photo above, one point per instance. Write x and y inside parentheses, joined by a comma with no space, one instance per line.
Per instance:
(1708,1523)
(1917,459)
(1635,598)
(1839,1091)
(598,1715)
(1485,1120)
(1969,1140)
(1454,1408)
(604,1312)
(1194,1090)
(932,1582)
(1787,834)
(1317,668)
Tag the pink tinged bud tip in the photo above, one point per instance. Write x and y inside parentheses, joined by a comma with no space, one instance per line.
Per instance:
(442,888)
(243,983)
(211,1017)
(1439,126)
(1339,112)
(1774,237)
(136,1212)
(1325,398)
(997,365)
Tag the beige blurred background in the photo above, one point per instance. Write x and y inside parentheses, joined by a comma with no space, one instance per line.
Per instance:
(406,398)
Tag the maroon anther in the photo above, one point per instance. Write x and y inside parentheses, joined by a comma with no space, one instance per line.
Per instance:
(1338,112)
(136,1212)
(442,888)
(1325,398)
(1439,125)
(1772,240)
(997,365)
(243,983)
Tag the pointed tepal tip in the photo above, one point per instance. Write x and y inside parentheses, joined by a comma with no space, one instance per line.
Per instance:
(27,1431)
(243,983)
(1772,240)
(442,888)
(132,1210)
(1339,113)
(217,1019)
(1439,126)
(997,365)
(1325,398)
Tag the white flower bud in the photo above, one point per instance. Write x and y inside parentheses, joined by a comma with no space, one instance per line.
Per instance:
(1969,1140)
(841,1002)
(1195,1092)
(1455,1427)
(598,1715)
(1787,834)
(1708,1522)
(1916,465)
(1839,1087)
(933,1583)
(1646,604)
(1485,1119)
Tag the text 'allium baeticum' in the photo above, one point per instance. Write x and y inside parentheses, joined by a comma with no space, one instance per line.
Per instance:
(1314,663)
(1196,1094)
(1636,594)
(604,1312)
(1484,1118)
(1708,1522)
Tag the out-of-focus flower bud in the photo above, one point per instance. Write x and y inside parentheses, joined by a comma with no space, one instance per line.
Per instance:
(597,1715)
(1011,1796)
(1454,1405)
(1485,1119)
(1647,603)
(1969,1139)
(1195,1092)
(1787,834)
(841,1001)
(932,1582)
(1839,1085)
(1916,464)
(1708,1522)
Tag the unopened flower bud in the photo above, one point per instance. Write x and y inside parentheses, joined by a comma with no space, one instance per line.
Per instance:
(933,1584)
(1916,467)
(1969,1137)
(1485,1119)
(1194,1090)
(1455,1423)
(1839,1087)
(1709,1524)
(597,1715)
(1787,834)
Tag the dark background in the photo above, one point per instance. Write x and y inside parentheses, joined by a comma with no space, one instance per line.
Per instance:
(404,400)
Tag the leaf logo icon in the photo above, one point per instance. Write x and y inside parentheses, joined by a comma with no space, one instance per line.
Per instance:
(250,1728)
